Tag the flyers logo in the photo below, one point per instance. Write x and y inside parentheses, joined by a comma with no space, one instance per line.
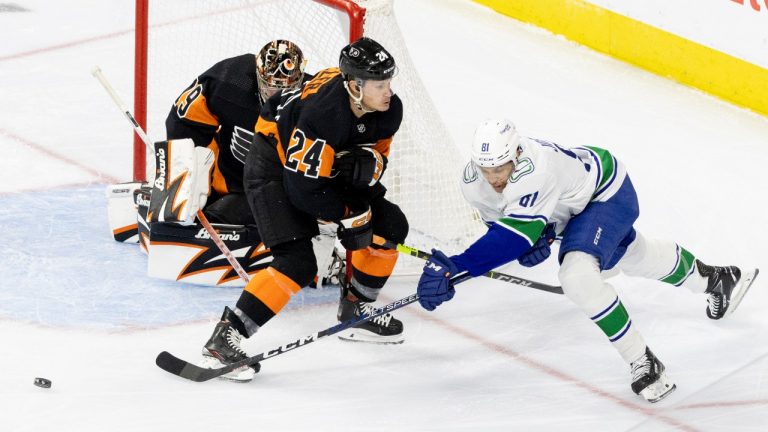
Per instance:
(241,143)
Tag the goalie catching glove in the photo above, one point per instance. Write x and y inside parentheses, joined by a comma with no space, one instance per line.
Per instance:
(360,167)
(355,230)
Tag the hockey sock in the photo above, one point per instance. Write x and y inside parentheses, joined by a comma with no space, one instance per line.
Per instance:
(581,281)
(265,295)
(662,260)
(371,268)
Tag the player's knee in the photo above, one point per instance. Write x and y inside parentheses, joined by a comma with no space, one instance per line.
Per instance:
(580,276)
(389,221)
(295,259)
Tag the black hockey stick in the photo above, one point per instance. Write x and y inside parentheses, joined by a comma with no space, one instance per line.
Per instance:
(491,274)
(176,366)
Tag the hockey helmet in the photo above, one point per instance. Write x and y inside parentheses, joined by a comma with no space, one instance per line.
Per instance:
(279,65)
(366,59)
(495,143)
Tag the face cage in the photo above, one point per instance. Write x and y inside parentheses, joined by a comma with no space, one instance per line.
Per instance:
(264,86)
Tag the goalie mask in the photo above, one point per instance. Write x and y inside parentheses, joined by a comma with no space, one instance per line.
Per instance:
(495,143)
(279,66)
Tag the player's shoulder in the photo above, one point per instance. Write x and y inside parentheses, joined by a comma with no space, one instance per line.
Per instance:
(395,112)
(231,84)
(326,110)
(226,69)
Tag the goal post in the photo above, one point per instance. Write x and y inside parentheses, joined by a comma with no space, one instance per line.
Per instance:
(178,39)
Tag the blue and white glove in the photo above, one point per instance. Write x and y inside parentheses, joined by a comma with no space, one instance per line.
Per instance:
(435,286)
(540,250)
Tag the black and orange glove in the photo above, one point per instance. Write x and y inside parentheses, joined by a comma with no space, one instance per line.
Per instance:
(360,167)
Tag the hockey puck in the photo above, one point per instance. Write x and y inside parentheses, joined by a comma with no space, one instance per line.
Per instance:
(43,382)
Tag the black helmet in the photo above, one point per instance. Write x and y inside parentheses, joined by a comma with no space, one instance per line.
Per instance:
(366,59)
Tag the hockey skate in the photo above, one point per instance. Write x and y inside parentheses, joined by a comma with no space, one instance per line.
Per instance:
(726,287)
(223,348)
(649,379)
(384,329)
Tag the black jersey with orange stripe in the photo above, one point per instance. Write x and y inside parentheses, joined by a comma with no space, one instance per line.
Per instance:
(219,110)
(307,127)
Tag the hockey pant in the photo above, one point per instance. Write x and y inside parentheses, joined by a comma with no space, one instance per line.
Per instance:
(583,283)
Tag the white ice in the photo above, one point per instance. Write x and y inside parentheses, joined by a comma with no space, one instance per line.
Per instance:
(77,308)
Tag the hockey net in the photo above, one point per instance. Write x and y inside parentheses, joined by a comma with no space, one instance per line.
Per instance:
(185,37)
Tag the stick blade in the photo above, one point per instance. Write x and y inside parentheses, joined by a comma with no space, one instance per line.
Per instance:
(172,364)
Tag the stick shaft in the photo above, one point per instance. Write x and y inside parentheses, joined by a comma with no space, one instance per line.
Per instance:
(491,274)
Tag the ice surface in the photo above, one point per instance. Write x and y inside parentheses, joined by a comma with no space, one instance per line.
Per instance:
(77,308)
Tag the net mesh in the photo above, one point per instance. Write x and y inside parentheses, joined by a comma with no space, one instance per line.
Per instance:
(186,37)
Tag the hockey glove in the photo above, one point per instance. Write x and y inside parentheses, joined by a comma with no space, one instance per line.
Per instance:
(435,285)
(360,167)
(540,250)
(355,230)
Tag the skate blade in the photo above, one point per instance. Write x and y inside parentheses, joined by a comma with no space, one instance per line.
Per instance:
(744,284)
(659,389)
(242,375)
(368,337)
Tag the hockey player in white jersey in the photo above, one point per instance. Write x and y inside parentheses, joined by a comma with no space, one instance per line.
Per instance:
(526,190)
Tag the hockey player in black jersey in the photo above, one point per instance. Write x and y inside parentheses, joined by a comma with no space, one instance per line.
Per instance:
(219,110)
(318,155)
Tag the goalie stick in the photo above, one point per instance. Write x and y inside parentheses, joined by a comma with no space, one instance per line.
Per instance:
(491,274)
(172,364)
(96,72)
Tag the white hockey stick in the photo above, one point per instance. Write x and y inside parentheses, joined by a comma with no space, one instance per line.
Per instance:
(96,72)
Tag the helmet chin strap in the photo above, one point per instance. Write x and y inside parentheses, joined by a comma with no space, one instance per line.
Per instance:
(357,100)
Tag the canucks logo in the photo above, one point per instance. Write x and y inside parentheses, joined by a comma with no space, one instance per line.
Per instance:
(524,167)
(470,173)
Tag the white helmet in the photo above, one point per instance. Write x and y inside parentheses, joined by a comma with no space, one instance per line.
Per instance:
(495,143)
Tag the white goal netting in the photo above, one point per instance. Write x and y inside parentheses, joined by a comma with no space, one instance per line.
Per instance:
(188,36)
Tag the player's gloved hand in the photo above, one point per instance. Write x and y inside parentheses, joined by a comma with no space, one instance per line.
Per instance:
(355,230)
(435,286)
(360,167)
(540,250)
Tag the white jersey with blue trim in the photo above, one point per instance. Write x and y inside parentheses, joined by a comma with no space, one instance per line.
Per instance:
(550,184)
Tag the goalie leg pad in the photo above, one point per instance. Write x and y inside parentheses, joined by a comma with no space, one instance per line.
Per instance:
(187,253)
(142,197)
(182,181)
(121,211)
